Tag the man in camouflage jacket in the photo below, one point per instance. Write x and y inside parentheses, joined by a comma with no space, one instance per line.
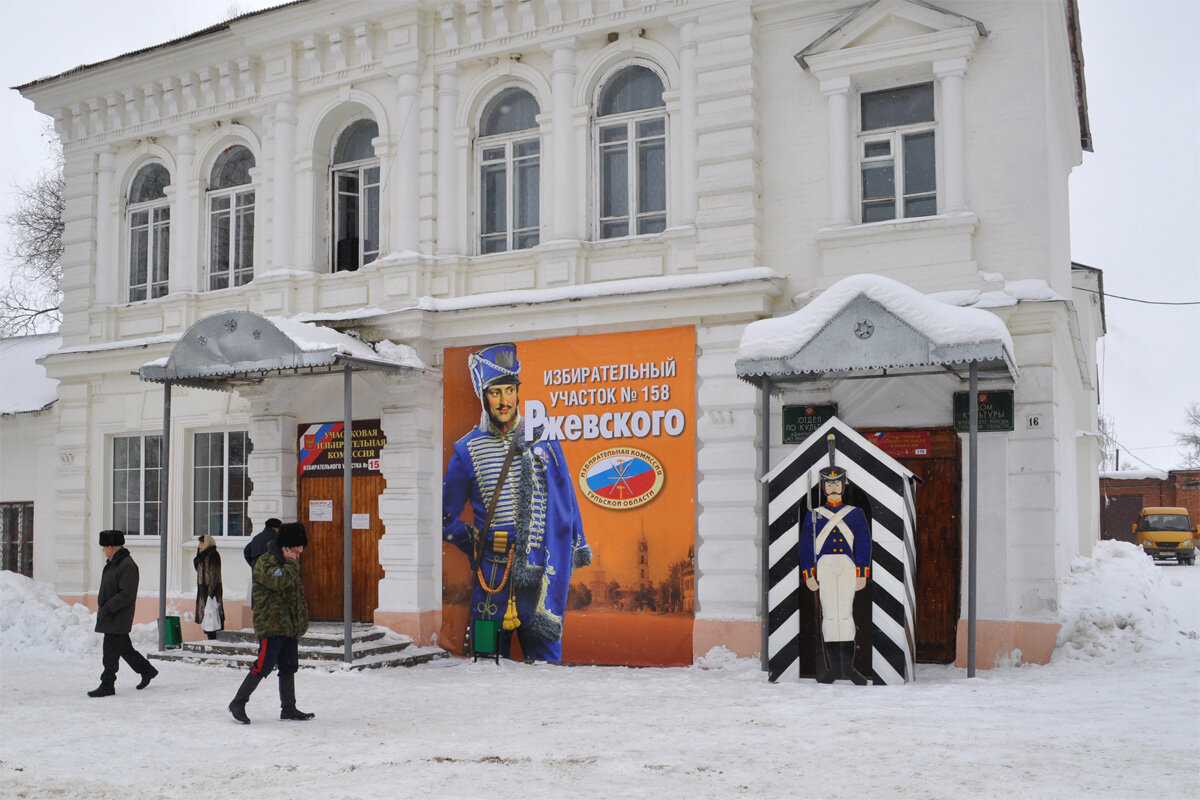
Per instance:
(280,619)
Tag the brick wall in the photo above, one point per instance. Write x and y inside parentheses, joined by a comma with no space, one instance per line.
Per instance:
(1118,512)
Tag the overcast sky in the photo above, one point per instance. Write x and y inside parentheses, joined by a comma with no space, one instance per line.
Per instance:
(1135,201)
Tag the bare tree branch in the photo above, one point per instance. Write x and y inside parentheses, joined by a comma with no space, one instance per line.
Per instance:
(1189,439)
(30,302)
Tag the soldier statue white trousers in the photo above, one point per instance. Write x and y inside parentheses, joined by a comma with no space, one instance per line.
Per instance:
(836,576)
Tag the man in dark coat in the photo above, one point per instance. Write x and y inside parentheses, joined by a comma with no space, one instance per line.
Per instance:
(114,615)
(280,619)
(258,545)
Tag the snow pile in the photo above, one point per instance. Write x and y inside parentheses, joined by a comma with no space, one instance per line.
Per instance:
(1113,604)
(402,354)
(34,618)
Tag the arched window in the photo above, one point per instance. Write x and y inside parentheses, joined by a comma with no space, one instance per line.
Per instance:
(631,154)
(508,152)
(149,233)
(231,219)
(354,181)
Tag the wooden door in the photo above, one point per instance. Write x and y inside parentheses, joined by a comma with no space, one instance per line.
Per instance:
(321,564)
(1119,513)
(939,553)
(939,537)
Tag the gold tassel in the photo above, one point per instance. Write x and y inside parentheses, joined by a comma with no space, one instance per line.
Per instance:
(511,620)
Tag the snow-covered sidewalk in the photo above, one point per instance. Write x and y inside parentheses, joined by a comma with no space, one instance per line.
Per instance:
(1115,715)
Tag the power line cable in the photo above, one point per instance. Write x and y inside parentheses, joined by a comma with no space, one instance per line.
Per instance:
(1147,302)
(1130,452)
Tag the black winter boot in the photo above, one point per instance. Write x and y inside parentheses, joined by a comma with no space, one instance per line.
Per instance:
(848,670)
(147,676)
(237,706)
(831,659)
(287,700)
(103,690)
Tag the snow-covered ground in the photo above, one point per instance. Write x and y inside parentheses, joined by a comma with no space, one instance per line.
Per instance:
(1116,714)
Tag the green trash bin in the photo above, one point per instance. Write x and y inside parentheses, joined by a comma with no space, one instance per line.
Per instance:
(485,639)
(174,638)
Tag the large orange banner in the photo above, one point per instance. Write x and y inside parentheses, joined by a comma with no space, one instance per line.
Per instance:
(622,409)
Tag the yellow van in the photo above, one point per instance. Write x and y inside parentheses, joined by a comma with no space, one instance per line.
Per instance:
(1166,532)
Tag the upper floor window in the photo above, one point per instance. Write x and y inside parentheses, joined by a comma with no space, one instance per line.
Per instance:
(508,152)
(631,154)
(355,190)
(231,219)
(149,233)
(220,486)
(136,479)
(896,153)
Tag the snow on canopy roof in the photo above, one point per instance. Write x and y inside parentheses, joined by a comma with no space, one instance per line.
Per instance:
(25,386)
(240,345)
(953,335)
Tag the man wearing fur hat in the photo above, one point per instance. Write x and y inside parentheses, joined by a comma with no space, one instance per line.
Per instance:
(280,619)
(835,561)
(114,615)
(526,535)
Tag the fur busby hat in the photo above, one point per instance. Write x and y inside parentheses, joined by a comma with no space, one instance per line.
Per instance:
(291,534)
(112,538)
(496,363)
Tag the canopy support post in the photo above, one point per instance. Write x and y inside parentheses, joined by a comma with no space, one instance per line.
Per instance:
(972,512)
(347,513)
(764,418)
(163,497)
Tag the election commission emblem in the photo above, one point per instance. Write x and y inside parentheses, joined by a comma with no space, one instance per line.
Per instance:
(623,477)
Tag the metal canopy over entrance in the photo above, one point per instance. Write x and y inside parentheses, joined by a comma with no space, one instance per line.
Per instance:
(238,348)
(868,326)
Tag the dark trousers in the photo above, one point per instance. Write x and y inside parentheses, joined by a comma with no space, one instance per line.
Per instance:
(116,647)
(277,651)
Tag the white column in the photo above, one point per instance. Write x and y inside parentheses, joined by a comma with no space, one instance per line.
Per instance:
(108,274)
(566,205)
(283,220)
(951,128)
(183,267)
(837,94)
(687,116)
(406,189)
(447,161)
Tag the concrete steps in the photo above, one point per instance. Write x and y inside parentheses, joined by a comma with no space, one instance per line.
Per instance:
(323,647)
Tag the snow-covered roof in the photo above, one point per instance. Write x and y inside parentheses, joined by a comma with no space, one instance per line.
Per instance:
(1135,475)
(867,323)
(24,386)
(240,346)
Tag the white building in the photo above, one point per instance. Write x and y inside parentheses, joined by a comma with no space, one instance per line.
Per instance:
(397,170)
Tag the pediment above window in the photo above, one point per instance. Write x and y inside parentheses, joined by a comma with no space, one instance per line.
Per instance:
(890,35)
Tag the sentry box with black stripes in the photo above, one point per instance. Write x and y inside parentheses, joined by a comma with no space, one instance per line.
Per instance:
(884,609)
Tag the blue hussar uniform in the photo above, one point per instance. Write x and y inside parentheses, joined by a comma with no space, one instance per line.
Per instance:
(536,518)
(835,548)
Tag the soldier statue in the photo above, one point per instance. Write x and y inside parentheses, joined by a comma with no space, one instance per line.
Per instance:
(835,560)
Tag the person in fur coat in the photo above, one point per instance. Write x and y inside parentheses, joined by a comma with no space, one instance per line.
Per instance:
(208,580)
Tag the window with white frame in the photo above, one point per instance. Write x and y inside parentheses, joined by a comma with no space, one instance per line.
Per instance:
(231,219)
(631,154)
(896,153)
(354,186)
(508,152)
(149,233)
(136,476)
(220,486)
